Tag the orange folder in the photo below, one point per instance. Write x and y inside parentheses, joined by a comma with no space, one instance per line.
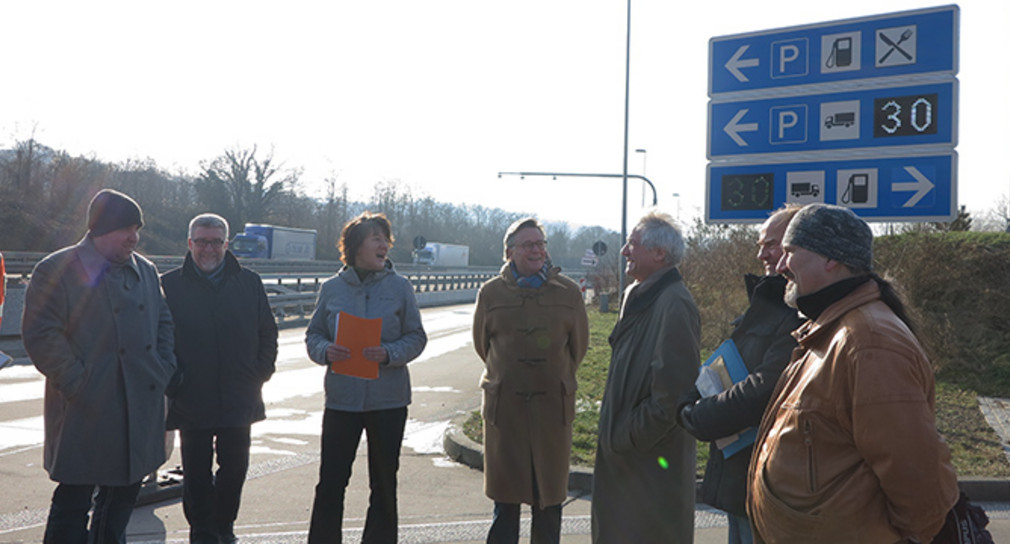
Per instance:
(357,333)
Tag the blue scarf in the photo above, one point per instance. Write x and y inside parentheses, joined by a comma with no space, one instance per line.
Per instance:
(531,282)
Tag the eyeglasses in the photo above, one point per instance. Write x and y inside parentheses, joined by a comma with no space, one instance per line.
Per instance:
(204,242)
(528,246)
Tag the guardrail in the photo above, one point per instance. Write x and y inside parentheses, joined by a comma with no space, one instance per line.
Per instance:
(293,296)
(20,263)
(292,286)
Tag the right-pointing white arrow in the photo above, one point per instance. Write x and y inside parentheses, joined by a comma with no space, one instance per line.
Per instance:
(734,127)
(735,63)
(921,186)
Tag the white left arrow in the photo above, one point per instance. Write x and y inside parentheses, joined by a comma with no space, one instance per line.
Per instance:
(921,186)
(734,127)
(735,63)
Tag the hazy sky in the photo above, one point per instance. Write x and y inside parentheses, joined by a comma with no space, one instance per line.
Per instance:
(440,95)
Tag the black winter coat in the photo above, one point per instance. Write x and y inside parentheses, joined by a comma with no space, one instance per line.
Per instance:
(226,345)
(762,337)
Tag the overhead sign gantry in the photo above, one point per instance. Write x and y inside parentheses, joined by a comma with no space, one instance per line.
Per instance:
(860,113)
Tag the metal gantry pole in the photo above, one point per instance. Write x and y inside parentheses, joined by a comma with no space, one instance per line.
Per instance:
(624,192)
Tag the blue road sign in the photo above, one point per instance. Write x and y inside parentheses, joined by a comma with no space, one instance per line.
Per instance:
(884,117)
(899,44)
(885,188)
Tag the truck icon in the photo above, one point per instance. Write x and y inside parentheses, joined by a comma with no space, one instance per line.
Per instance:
(840,119)
(805,189)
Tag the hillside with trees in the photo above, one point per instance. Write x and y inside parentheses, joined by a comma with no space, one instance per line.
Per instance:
(44,195)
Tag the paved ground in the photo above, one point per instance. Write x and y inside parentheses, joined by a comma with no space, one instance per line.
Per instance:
(441,500)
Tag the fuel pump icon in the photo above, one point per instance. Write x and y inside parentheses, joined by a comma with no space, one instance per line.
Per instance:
(857,190)
(841,53)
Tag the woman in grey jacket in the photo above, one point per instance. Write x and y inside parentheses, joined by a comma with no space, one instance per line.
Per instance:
(366,287)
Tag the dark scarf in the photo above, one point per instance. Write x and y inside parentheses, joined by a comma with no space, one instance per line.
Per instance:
(814,304)
(531,282)
(215,277)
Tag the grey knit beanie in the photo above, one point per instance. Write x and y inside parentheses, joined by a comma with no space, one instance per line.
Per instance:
(111,210)
(833,231)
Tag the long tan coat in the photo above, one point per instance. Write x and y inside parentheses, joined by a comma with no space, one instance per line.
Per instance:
(531,342)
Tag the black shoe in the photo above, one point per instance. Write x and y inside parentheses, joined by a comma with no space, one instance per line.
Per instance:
(199,535)
(226,535)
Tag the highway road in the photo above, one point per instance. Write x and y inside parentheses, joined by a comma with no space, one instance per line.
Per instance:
(440,501)
(286,442)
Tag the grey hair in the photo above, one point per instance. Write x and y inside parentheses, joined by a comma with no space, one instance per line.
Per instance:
(210,221)
(510,233)
(659,230)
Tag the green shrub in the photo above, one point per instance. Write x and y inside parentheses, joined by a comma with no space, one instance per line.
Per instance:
(956,287)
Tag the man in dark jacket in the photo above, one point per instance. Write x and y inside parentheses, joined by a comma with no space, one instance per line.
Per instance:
(762,336)
(96,325)
(226,344)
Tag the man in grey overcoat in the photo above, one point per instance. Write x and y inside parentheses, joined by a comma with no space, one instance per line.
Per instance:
(96,325)
(644,478)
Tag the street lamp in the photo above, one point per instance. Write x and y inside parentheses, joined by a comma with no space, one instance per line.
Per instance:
(555,175)
(677,196)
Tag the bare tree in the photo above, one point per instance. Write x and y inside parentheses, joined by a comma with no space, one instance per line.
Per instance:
(244,188)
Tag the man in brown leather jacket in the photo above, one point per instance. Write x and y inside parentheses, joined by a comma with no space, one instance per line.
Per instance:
(848,449)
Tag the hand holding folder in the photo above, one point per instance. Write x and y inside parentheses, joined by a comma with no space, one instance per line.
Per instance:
(357,333)
(723,369)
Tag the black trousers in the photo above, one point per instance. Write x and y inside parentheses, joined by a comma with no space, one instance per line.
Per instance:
(211,500)
(68,514)
(341,435)
(545,527)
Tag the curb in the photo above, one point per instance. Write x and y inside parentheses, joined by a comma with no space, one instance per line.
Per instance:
(461,449)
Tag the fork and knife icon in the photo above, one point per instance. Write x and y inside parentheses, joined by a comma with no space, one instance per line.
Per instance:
(895,46)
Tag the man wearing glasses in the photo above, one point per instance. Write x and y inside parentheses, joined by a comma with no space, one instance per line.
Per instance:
(226,345)
(530,329)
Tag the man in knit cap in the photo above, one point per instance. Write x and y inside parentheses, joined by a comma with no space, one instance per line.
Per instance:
(848,449)
(96,325)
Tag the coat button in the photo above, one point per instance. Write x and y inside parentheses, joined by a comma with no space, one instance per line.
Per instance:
(122,351)
(148,347)
(151,387)
(141,307)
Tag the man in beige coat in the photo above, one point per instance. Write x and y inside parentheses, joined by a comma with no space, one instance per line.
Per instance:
(530,329)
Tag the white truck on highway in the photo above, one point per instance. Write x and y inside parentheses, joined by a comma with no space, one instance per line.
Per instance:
(442,254)
(273,242)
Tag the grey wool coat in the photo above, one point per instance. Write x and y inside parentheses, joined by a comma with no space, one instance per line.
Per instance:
(531,342)
(103,338)
(644,478)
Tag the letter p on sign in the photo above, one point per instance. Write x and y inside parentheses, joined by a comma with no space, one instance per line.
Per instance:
(790,58)
(788,124)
